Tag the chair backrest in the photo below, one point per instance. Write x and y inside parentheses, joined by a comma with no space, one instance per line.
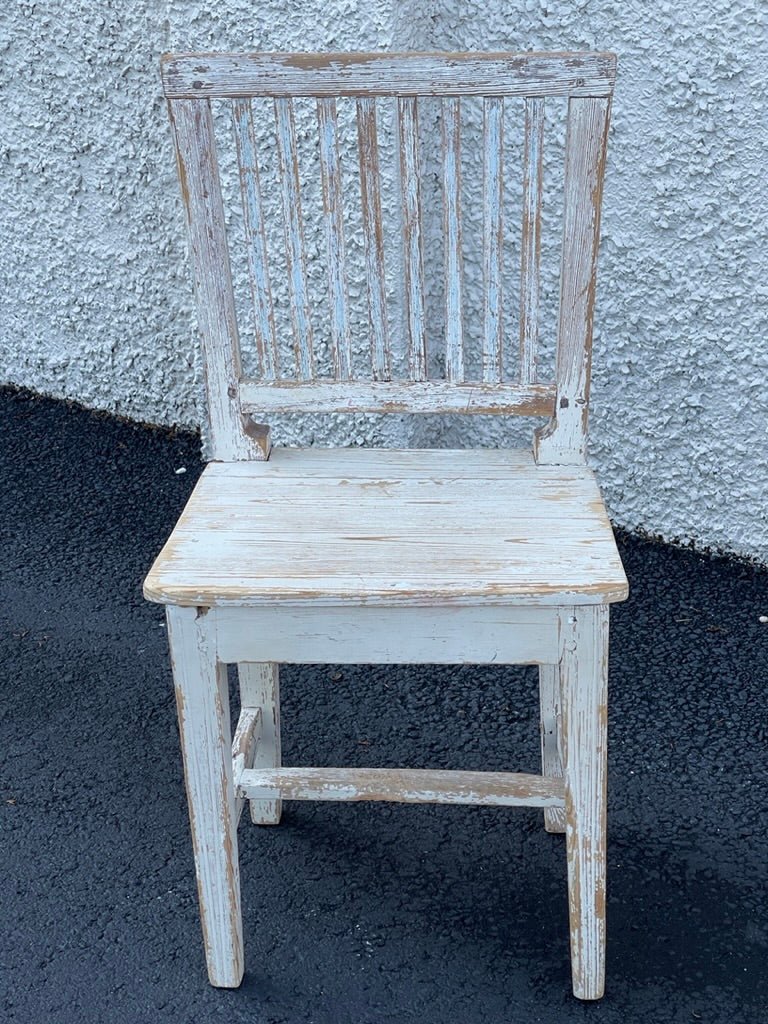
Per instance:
(191,81)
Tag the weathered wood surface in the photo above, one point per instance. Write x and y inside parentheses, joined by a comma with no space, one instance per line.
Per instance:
(311,634)
(404,785)
(454,304)
(564,440)
(391,556)
(493,238)
(388,74)
(290,192)
(584,670)
(530,249)
(419,397)
(251,535)
(260,692)
(244,746)
(373,233)
(564,401)
(255,240)
(193,136)
(202,701)
(551,732)
(330,170)
(413,256)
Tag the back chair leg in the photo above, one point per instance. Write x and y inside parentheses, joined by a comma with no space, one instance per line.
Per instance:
(551,760)
(584,676)
(260,688)
(202,701)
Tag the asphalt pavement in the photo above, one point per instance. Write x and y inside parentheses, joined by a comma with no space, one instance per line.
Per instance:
(355,913)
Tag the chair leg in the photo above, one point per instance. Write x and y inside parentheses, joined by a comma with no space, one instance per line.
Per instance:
(260,688)
(551,761)
(584,675)
(202,701)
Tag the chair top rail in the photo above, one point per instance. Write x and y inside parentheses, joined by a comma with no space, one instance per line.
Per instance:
(232,75)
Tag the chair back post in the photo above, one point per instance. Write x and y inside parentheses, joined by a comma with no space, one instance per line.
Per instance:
(563,441)
(232,436)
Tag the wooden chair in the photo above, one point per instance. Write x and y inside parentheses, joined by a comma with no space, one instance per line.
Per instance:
(382,556)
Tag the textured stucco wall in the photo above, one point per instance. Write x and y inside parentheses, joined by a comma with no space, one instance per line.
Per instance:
(96,303)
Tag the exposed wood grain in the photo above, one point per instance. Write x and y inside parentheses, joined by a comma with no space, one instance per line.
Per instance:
(411,786)
(258,538)
(530,249)
(493,237)
(373,233)
(454,305)
(260,689)
(550,722)
(290,191)
(564,439)
(310,634)
(388,74)
(244,745)
(330,170)
(584,669)
(201,192)
(255,240)
(408,137)
(397,396)
(203,707)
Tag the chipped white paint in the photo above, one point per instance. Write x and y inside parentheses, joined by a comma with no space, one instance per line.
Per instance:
(260,692)
(312,634)
(493,238)
(334,235)
(530,248)
(203,706)
(199,175)
(564,440)
(351,74)
(301,316)
(397,396)
(551,733)
(411,786)
(454,305)
(253,536)
(423,556)
(245,743)
(413,258)
(255,238)
(584,683)
(373,230)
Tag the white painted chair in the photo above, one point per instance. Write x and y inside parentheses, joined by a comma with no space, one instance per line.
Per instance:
(383,556)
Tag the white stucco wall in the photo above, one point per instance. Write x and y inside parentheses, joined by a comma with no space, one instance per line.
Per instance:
(96,304)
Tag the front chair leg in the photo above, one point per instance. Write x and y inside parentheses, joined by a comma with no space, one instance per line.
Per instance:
(584,678)
(260,688)
(202,701)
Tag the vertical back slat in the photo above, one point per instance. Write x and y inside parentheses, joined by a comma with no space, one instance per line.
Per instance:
(373,233)
(294,237)
(454,335)
(531,238)
(408,128)
(195,144)
(330,170)
(255,239)
(564,439)
(493,234)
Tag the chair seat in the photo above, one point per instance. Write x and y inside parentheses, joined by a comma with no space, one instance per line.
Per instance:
(382,526)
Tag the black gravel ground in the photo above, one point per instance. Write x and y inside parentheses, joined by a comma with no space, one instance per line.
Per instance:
(354,913)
